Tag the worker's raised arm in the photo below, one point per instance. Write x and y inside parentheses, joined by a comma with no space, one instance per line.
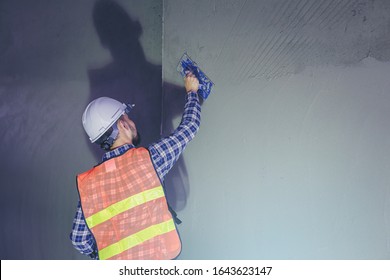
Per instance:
(167,151)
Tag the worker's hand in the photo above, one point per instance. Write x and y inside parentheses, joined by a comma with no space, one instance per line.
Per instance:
(191,83)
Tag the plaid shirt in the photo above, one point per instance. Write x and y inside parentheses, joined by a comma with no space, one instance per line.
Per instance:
(164,154)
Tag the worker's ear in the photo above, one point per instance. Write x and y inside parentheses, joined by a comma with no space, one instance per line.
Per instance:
(123,124)
(120,124)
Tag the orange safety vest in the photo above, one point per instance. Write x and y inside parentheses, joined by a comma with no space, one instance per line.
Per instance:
(125,208)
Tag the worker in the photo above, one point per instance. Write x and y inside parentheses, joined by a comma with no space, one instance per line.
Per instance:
(123,212)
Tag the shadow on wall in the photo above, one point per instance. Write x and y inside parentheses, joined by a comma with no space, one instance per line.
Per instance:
(130,78)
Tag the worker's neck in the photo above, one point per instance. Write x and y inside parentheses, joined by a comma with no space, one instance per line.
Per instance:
(120,142)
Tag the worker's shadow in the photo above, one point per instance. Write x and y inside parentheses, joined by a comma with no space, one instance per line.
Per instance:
(130,78)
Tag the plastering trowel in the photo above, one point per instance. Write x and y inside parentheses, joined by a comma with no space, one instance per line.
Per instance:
(186,65)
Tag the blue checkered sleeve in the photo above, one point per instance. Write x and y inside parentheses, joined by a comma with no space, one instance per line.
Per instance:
(81,237)
(166,152)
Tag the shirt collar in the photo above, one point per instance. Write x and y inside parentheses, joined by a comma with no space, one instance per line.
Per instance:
(117,151)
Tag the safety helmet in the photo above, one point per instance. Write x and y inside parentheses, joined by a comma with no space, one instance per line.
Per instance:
(101,114)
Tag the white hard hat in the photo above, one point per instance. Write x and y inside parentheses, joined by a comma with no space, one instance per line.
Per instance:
(100,115)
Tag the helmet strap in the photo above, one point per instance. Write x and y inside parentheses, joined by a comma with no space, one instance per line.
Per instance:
(109,141)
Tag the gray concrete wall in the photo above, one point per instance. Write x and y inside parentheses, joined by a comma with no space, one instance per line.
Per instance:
(52,63)
(292,158)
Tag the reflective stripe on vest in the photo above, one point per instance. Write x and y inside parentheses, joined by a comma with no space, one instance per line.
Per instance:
(126,209)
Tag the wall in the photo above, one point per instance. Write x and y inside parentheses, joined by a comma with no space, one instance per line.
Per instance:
(292,158)
(55,57)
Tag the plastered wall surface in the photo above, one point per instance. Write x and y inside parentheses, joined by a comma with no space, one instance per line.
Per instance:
(292,157)
(48,50)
